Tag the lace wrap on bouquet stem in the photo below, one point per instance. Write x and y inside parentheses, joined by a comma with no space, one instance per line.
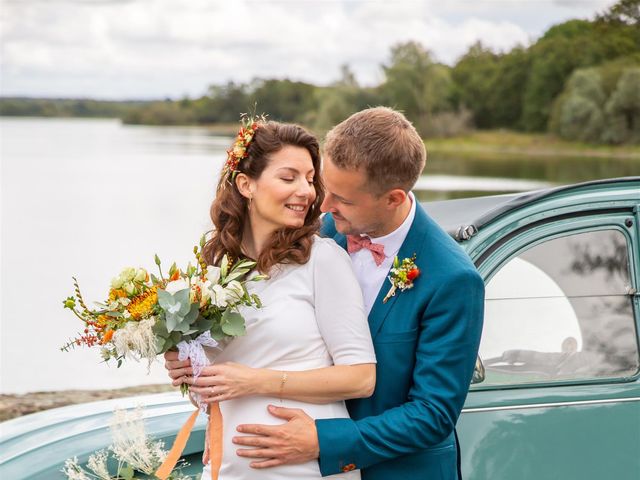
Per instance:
(194,351)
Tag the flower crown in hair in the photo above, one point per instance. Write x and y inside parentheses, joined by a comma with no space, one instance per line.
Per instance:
(239,150)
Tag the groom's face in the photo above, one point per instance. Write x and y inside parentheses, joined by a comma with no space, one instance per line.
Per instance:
(354,209)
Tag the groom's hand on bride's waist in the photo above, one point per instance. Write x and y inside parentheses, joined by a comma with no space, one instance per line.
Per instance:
(270,445)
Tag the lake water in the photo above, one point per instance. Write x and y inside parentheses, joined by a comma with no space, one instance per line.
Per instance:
(85,198)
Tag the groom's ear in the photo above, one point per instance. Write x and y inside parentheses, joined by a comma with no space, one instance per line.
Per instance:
(395,198)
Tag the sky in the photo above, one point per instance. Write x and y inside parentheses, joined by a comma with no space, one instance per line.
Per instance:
(146,49)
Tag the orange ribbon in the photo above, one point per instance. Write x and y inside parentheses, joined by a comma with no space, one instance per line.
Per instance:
(215,444)
(215,440)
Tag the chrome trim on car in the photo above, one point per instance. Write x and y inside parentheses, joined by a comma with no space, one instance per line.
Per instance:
(554,404)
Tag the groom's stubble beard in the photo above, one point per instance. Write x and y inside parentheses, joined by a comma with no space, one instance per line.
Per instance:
(371,226)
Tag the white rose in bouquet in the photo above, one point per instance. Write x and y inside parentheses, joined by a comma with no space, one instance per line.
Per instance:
(176,285)
(219,296)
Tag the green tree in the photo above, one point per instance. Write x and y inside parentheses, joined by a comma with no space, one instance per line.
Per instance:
(625,12)
(475,77)
(161,113)
(416,84)
(283,100)
(507,95)
(222,104)
(623,109)
(562,49)
(339,100)
(579,114)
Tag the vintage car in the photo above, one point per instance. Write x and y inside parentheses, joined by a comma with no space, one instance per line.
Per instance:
(556,392)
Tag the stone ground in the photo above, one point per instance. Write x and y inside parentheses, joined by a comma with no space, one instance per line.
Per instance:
(12,406)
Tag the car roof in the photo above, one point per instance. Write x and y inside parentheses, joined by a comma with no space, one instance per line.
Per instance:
(457,216)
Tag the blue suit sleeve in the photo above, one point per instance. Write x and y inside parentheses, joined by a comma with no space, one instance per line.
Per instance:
(446,352)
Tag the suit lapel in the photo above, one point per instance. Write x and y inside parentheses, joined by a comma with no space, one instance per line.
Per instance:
(412,244)
(341,240)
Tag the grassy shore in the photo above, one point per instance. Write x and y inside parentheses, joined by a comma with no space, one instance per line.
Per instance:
(502,143)
(12,406)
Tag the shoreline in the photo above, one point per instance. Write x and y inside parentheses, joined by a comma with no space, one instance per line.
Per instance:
(482,144)
(497,144)
(17,405)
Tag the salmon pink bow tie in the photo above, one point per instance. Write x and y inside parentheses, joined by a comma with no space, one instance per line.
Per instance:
(355,243)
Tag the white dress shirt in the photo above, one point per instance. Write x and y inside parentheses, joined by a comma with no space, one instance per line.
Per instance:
(371,276)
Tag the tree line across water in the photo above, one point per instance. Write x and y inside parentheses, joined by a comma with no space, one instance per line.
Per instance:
(580,80)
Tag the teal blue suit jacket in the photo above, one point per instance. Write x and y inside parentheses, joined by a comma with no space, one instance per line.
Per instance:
(426,341)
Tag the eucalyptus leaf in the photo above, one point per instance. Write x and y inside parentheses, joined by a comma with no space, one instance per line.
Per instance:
(173,321)
(160,328)
(178,303)
(169,345)
(233,324)
(176,322)
(203,324)
(165,299)
(183,326)
(183,297)
(160,344)
(216,332)
(192,314)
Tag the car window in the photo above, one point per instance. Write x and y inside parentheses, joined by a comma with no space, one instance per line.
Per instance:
(561,310)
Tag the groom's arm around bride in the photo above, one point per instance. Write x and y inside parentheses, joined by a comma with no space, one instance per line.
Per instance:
(426,338)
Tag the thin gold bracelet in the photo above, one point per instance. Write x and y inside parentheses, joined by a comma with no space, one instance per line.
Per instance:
(283,380)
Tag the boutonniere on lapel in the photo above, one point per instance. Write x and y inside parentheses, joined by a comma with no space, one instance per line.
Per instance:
(403,274)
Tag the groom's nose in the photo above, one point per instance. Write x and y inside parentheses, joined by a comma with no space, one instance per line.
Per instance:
(327,204)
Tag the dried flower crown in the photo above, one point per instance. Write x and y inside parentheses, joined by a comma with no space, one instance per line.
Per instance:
(249,125)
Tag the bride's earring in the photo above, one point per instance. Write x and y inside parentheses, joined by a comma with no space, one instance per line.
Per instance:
(249,204)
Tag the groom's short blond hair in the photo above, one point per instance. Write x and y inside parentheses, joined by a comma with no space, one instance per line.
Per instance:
(381,142)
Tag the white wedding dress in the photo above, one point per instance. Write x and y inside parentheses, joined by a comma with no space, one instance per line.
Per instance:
(312,317)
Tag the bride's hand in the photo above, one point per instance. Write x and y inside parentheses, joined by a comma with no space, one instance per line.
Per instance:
(177,369)
(220,382)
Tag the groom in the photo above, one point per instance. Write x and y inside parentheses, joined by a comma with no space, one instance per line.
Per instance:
(426,338)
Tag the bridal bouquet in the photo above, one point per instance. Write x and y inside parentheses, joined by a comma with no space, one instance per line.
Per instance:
(145,315)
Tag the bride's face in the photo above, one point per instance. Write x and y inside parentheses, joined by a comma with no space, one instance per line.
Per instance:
(284,192)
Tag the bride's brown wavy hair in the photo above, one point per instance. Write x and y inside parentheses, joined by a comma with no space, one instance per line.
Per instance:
(229,210)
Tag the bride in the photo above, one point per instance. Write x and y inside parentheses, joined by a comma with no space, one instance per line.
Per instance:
(309,346)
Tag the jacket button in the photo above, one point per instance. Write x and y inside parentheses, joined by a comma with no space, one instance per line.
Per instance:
(348,468)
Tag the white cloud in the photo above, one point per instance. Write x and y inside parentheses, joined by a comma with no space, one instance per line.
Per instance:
(156,48)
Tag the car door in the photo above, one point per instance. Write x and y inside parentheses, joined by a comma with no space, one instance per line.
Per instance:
(560,398)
